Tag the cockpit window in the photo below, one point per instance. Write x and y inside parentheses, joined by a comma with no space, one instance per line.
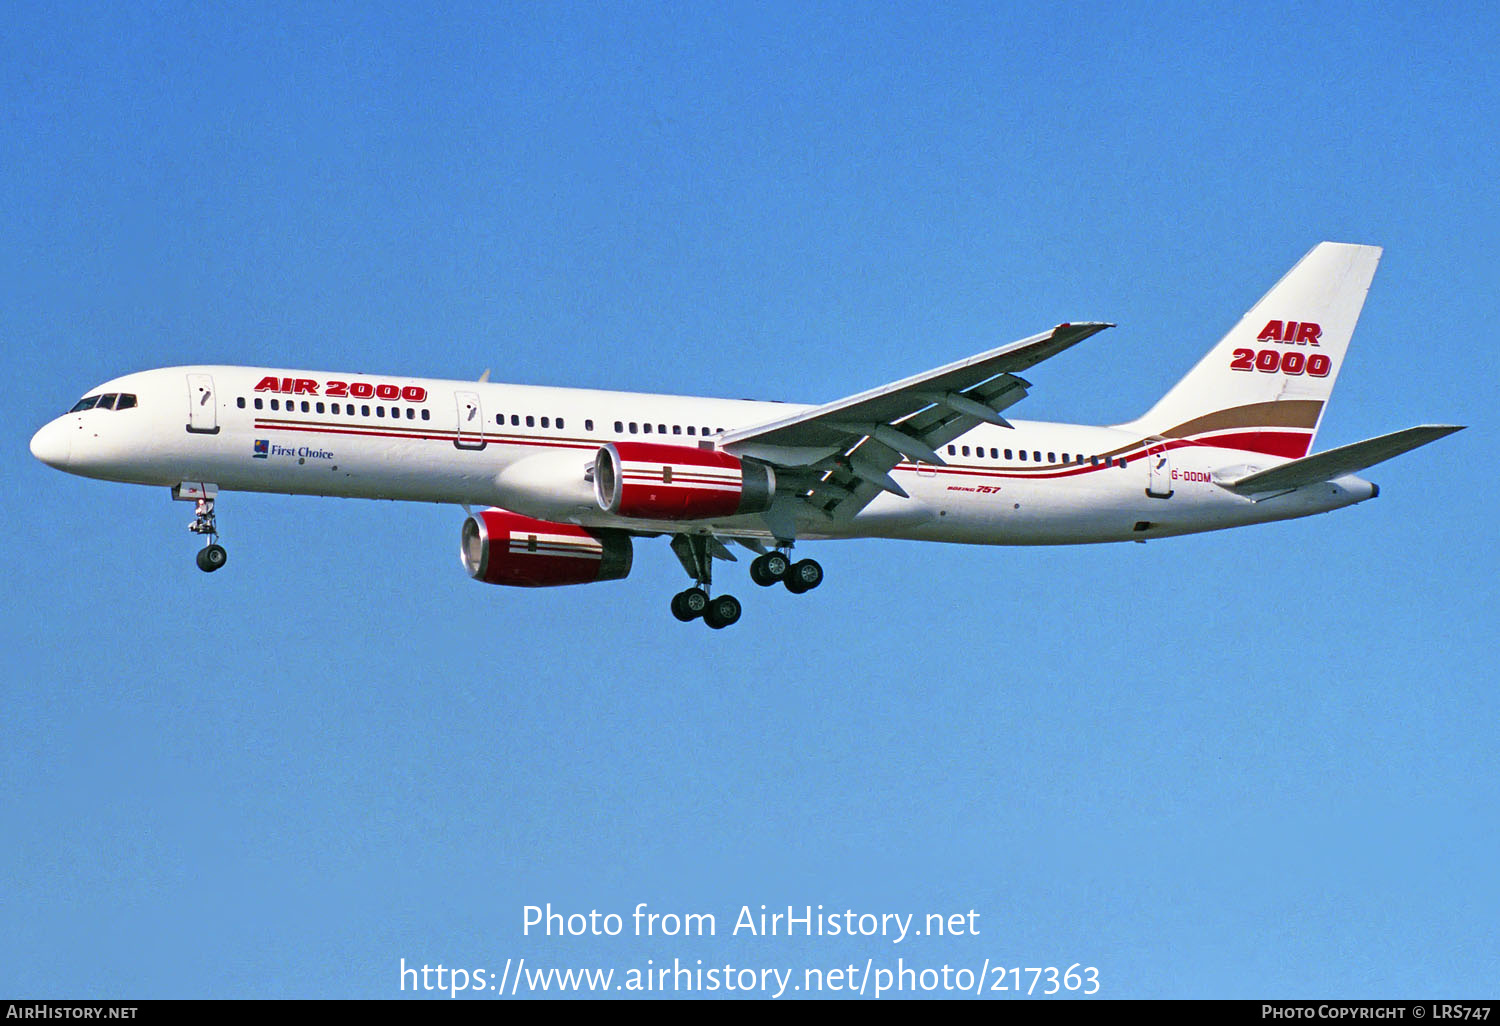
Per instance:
(112,401)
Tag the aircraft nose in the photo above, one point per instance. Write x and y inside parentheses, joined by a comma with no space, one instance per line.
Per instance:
(53,444)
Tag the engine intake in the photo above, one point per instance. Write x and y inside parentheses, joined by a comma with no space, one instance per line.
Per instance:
(501,547)
(650,481)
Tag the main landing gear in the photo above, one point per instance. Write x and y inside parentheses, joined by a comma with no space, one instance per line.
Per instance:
(777,567)
(718,612)
(697,552)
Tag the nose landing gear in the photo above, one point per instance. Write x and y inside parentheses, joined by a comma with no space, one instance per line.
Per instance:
(212,555)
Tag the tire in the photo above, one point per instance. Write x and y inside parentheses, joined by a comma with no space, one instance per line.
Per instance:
(766,570)
(211,557)
(804,576)
(689,605)
(722,612)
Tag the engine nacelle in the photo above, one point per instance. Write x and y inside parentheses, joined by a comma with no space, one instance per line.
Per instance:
(650,481)
(501,547)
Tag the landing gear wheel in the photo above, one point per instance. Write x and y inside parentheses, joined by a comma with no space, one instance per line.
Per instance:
(768,569)
(722,612)
(804,576)
(689,605)
(211,557)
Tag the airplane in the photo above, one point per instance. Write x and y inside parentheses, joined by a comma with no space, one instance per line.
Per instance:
(568,478)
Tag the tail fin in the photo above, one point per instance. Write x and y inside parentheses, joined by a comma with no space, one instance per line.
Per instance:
(1264,387)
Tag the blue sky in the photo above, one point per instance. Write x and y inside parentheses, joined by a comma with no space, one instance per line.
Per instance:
(1256,763)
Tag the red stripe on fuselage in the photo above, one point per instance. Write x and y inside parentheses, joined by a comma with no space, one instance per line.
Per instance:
(1289,444)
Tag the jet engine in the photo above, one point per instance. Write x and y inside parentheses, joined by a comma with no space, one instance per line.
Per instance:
(651,481)
(501,547)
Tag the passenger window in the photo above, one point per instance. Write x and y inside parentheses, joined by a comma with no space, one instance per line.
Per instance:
(530,421)
(1023,455)
(306,406)
(276,404)
(661,429)
(515,420)
(500,419)
(952,450)
(1052,457)
(646,429)
(426,414)
(259,405)
(588,425)
(88,402)
(320,407)
(1036,456)
(619,428)
(544,422)
(240,402)
(364,410)
(411,414)
(380,411)
(559,424)
(676,429)
(127,401)
(692,430)
(633,427)
(1008,455)
(994,454)
(966,450)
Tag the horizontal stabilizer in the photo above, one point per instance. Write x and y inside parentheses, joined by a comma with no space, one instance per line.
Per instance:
(1346,459)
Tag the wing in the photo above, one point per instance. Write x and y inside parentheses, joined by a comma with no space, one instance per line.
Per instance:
(839,456)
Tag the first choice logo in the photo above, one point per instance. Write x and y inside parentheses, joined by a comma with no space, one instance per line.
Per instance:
(265,448)
(1292,333)
(342,389)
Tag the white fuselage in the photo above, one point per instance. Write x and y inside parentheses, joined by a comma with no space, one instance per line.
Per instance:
(529,449)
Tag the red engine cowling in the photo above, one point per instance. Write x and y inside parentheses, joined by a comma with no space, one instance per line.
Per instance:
(650,481)
(501,547)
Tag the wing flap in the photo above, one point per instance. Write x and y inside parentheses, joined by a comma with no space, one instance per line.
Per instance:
(1346,459)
